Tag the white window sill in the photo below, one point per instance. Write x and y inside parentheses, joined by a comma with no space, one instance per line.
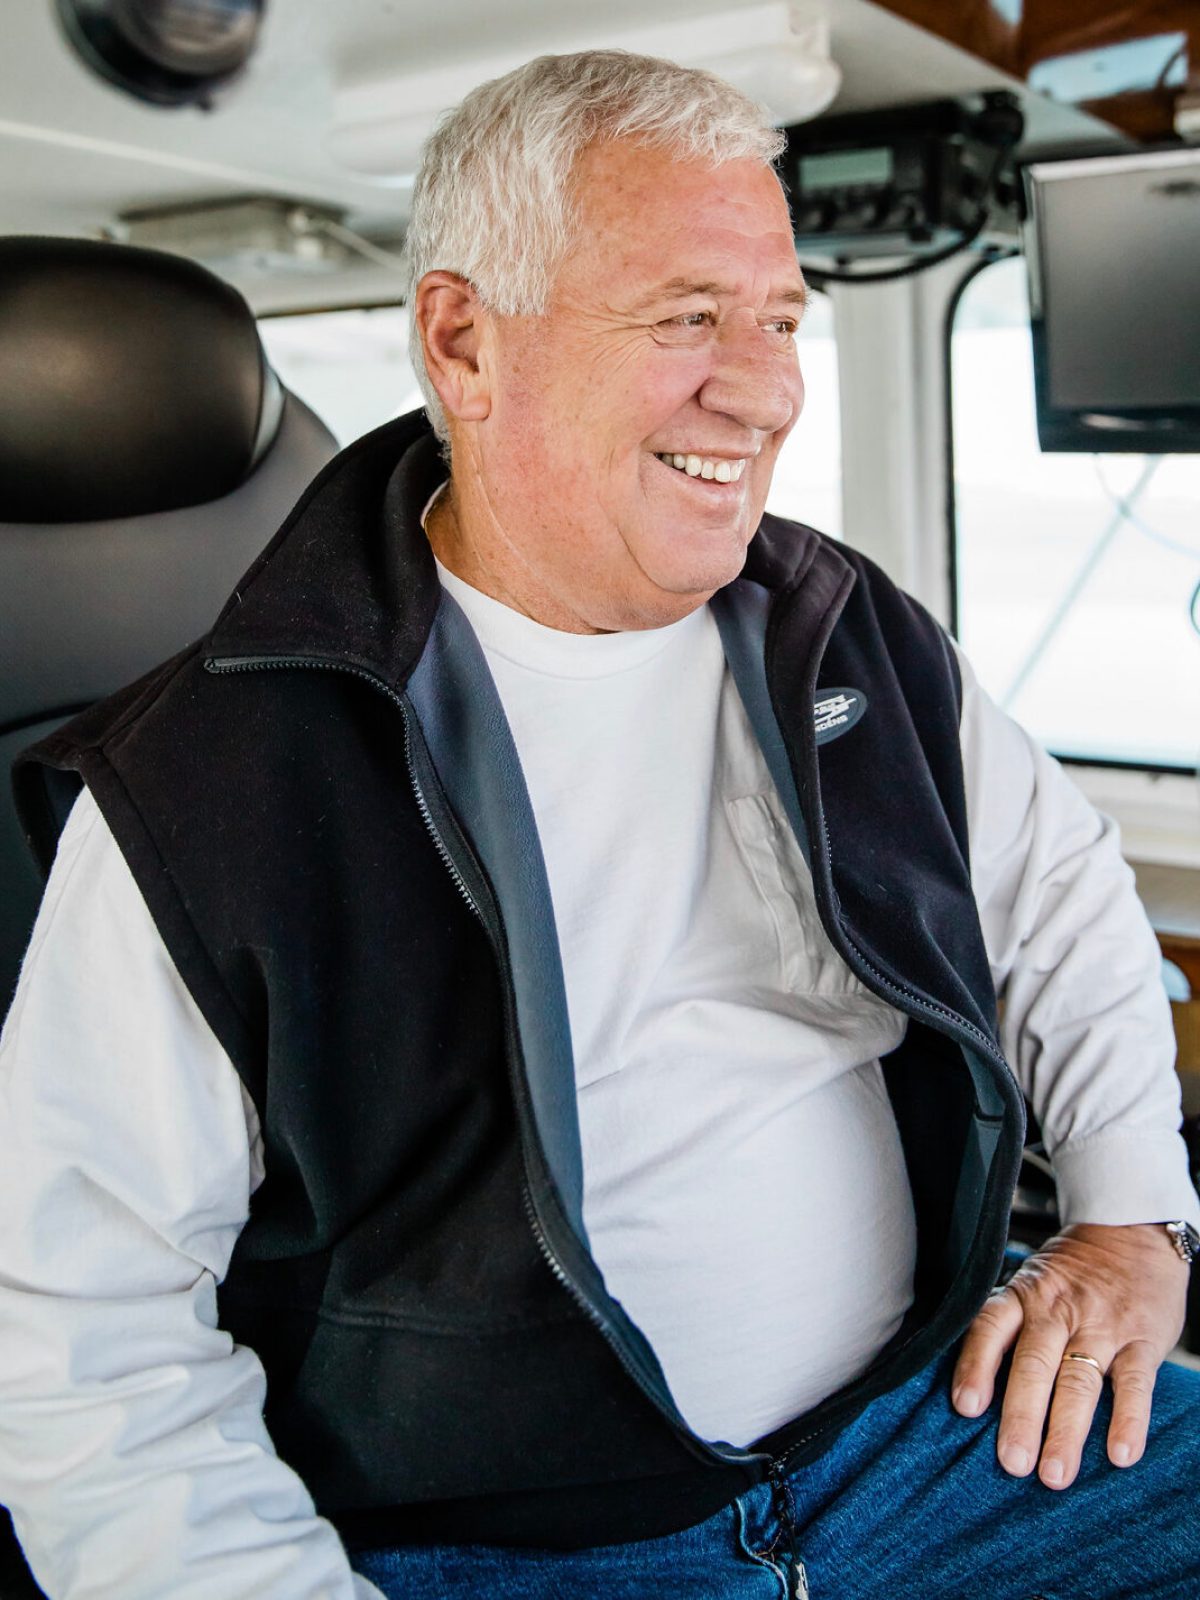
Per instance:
(1158,813)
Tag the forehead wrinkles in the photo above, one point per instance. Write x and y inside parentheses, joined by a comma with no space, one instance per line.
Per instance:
(741,269)
(639,209)
(661,266)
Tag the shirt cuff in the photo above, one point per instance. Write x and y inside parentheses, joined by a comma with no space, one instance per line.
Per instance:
(1125,1177)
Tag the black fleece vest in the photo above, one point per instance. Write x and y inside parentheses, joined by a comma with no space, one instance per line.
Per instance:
(318,807)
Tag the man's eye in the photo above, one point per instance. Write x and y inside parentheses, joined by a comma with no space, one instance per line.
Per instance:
(691,319)
(785,326)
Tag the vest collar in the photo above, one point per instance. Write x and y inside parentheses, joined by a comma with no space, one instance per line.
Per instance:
(350,575)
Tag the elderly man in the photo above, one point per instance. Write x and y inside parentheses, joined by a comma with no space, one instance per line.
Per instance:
(526,956)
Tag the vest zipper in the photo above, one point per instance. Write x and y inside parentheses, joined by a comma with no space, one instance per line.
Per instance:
(224,665)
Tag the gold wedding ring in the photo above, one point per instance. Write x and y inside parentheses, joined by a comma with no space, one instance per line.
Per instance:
(1074,1355)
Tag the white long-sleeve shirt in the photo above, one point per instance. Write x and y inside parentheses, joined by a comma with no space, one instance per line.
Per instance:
(132,1445)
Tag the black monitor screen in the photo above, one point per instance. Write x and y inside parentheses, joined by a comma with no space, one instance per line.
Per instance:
(1114,257)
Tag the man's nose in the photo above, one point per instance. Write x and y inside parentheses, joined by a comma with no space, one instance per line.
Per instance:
(755,376)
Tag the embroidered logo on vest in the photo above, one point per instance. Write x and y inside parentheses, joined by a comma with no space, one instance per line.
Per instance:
(836,711)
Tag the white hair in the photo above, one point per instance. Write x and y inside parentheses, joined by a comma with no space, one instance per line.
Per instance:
(493,201)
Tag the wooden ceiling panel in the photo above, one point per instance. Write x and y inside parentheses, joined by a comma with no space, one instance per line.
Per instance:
(1047,38)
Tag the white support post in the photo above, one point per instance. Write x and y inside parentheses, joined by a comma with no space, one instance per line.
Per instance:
(891,373)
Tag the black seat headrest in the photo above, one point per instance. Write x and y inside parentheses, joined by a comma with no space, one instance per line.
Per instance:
(131,382)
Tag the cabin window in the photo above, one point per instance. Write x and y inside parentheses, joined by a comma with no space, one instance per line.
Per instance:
(1077,577)
(807,485)
(352,368)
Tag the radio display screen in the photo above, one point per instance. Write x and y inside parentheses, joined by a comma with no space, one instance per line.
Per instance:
(845,169)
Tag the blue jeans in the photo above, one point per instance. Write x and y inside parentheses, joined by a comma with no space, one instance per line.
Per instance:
(909,1504)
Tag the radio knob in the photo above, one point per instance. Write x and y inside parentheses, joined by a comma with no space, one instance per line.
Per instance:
(814,216)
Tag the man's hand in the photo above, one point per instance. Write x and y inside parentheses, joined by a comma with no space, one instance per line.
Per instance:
(1115,1294)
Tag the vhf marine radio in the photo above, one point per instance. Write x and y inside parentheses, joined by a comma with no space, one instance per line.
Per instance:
(914,181)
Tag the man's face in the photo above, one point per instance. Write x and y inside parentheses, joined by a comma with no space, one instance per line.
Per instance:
(669,335)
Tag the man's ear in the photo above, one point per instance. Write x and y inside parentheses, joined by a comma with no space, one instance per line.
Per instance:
(450,320)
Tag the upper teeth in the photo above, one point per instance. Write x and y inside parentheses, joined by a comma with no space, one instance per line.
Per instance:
(706,467)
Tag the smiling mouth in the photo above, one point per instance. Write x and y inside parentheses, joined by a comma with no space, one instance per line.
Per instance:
(718,470)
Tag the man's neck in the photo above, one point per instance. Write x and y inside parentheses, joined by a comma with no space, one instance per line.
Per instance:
(487,566)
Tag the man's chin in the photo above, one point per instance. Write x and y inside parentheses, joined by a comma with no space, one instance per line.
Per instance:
(699,573)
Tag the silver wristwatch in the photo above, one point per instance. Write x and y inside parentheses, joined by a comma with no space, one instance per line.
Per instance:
(1185,1239)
